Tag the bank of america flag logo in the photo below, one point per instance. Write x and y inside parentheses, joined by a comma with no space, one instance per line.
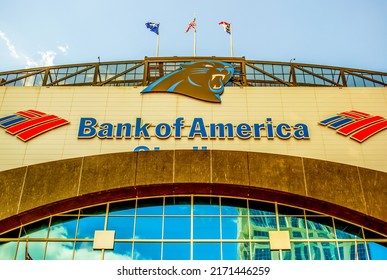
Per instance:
(26,125)
(358,125)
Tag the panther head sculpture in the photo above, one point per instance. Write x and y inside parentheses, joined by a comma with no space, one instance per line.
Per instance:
(202,80)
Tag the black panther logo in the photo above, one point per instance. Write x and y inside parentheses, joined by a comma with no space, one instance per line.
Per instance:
(203,80)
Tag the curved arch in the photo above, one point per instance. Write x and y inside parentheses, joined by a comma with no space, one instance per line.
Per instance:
(347,192)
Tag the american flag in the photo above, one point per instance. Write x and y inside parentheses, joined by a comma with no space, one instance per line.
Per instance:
(226,26)
(192,25)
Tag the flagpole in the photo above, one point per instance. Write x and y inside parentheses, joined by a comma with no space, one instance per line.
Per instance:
(231,45)
(158,42)
(195,41)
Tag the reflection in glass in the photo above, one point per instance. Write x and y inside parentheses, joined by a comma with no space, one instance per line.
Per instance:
(298,251)
(261,251)
(377,251)
(206,227)
(150,206)
(177,205)
(7,250)
(84,251)
(35,249)
(63,227)
(122,208)
(176,251)
(36,230)
(235,251)
(206,251)
(121,251)
(59,251)
(324,251)
(88,225)
(345,230)
(123,226)
(206,206)
(148,227)
(320,227)
(147,251)
(177,227)
(190,227)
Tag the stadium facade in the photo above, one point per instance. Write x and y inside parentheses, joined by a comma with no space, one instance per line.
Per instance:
(155,159)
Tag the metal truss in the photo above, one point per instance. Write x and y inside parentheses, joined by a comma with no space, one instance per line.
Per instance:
(248,73)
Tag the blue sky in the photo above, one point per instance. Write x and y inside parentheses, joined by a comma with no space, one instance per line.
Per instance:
(349,33)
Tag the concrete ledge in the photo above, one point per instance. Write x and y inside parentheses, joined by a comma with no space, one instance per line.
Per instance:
(344,191)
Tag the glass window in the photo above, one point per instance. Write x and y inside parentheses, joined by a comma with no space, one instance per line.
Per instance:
(59,250)
(298,251)
(324,251)
(36,230)
(345,230)
(234,227)
(122,208)
(35,250)
(121,251)
(147,251)
(88,225)
(8,250)
(148,227)
(177,227)
(123,226)
(177,251)
(150,206)
(377,250)
(233,207)
(206,206)
(63,227)
(206,251)
(84,251)
(206,227)
(320,227)
(178,205)
(235,251)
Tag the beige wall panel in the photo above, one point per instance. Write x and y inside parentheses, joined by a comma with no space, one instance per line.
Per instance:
(239,105)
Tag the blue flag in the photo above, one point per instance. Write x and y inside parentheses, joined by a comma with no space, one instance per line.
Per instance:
(154,27)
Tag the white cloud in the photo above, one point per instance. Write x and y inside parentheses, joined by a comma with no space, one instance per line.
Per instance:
(10,46)
(46,58)
(64,49)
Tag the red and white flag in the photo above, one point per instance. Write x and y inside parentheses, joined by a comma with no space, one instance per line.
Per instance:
(192,25)
(226,26)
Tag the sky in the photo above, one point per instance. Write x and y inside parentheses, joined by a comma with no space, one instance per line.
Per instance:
(346,33)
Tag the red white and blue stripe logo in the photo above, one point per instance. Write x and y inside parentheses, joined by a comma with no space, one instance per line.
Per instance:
(359,125)
(31,123)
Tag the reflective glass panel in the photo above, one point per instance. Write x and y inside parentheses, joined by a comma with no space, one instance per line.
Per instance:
(206,227)
(298,251)
(59,251)
(235,251)
(176,251)
(8,250)
(148,227)
(206,251)
(88,225)
(123,226)
(177,227)
(35,250)
(63,227)
(121,251)
(177,205)
(377,251)
(147,251)
(84,251)
(324,251)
